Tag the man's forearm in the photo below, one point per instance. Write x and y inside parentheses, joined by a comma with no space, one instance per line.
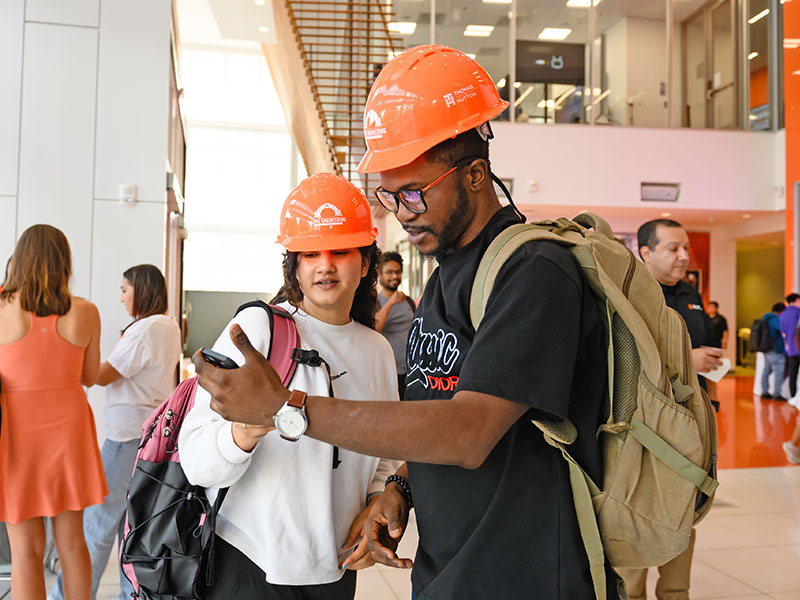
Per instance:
(433,431)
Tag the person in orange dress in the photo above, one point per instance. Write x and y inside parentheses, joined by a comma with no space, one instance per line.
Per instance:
(50,463)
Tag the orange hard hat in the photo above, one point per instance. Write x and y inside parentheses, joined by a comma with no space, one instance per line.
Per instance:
(326,212)
(422,97)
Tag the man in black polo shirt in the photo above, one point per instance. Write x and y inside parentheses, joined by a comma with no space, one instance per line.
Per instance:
(493,501)
(664,248)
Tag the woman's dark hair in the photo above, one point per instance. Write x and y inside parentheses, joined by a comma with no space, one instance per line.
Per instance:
(149,291)
(39,271)
(365,301)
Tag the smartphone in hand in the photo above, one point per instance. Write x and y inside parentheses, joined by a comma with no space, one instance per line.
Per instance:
(218,360)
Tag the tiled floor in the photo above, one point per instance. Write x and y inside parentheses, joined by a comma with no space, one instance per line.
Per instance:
(748,547)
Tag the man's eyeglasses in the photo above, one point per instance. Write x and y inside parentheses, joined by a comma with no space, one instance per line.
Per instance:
(414,200)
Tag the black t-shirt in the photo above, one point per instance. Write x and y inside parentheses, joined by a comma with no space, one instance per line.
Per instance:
(687,301)
(507,530)
(719,325)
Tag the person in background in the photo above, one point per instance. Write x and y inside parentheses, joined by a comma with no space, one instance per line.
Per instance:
(789,319)
(775,359)
(291,524)
(664,248)
(138,374)
(719,326)
(396,312)
(50,464)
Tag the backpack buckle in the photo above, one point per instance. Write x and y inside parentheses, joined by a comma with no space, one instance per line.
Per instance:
(307,357)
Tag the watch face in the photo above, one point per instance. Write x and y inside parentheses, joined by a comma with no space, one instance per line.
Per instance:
(291,423)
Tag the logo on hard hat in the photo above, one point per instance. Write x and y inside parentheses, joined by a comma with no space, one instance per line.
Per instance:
(460,95)
(373,126)
(327,215)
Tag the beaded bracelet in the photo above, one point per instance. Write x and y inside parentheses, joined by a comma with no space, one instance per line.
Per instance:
(403,483)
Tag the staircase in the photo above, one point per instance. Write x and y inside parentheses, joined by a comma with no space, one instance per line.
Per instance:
(342,46)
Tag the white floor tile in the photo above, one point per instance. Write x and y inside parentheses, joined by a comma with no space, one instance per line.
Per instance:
(372,586)
(766,570)
(770,529)
(712,534)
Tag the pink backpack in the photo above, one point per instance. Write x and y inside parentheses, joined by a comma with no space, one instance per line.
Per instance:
(167,551)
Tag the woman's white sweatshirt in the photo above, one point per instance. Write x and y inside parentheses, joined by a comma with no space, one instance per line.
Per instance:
(288,510)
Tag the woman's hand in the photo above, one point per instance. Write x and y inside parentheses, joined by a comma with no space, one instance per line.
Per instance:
(247,436)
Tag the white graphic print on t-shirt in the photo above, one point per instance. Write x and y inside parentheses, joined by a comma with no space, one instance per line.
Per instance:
(431,358)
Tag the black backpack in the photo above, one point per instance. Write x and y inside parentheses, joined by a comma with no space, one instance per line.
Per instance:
(167,551)
(761,339)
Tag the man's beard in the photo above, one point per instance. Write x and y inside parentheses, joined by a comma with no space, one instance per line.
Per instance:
(452,229)
(390,287)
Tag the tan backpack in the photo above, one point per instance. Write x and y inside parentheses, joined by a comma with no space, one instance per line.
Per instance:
(659,442)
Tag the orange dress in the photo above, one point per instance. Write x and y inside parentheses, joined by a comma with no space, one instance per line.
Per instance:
(49,459)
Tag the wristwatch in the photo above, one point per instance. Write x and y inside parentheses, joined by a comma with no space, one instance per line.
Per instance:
(291,421)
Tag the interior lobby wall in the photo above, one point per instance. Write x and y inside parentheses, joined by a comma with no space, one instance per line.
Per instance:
(84,109)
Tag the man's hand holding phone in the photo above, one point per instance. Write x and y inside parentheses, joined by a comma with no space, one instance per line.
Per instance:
(245,436)
(250,394)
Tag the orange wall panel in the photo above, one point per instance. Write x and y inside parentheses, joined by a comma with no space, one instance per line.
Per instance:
(759,87)
(791,72)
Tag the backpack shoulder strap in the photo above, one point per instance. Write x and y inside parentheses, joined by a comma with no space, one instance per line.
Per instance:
(498,252)
(283,338)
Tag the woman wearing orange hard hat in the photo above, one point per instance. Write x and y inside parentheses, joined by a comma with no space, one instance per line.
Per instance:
(294,512)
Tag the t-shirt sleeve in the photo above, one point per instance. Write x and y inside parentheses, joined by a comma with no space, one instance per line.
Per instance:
(724,324)
(526,346)
(132,352)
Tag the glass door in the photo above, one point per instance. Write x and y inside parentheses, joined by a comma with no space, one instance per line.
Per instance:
(710,89)
(722,93)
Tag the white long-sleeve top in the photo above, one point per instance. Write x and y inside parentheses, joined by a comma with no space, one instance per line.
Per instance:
(288,510)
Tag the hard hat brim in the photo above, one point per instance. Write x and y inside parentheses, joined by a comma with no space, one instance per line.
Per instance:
(376,161)
(318,243)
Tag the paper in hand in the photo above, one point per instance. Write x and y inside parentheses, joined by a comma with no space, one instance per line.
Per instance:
(719,372)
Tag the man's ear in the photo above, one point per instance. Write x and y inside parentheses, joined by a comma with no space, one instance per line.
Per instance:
(644,252)
(364,266)
(478,175)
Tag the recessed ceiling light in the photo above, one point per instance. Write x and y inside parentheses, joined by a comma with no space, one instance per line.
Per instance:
(554,33)
(758,17)
(745,216)
(263,29)
(582,3)
(666,214)
(402,27)
(752,55)
(479,30)
(260,2)
(546,103)
(502,83)
(517,84)
(497,1)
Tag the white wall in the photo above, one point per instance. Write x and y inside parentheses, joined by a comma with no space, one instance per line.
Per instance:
(586,166)
(636,67)
(616,74)
(84,105)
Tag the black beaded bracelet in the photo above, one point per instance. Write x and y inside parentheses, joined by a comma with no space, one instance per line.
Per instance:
(403,483)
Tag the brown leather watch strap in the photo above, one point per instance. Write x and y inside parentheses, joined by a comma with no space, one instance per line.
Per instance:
(297,399)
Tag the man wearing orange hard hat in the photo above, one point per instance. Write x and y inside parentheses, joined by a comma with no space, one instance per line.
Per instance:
(494,506)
